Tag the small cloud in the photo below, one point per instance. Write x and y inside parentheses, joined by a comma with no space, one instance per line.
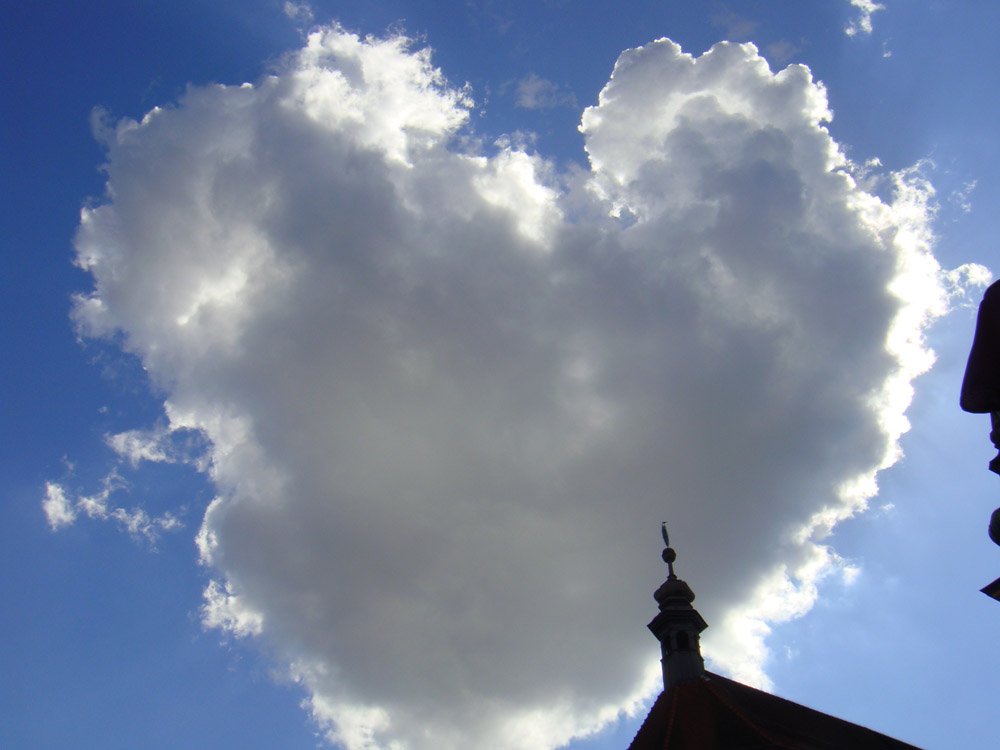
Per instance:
(781,51)
(958,282)
(138,445)
(300,12)
(850,574)
(535,92)
(162,444)
(863,23)
(960,197)
(519,140)
(59,511)
(102,125)
(735,28)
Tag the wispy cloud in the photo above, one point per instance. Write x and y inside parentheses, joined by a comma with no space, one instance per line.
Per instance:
(863,23)
(300,12)
(62,510)
(781,51)
(735,27)
(171,445)
(963,196)
(534,92)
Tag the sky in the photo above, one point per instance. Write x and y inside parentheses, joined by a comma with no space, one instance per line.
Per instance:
(354,353)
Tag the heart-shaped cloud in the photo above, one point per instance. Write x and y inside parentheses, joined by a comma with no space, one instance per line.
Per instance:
(451,391)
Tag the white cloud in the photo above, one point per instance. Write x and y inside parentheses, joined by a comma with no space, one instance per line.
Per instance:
(139,445)
(225,610)
(863,23)
(59,511)
(958,282)
(449,397)
(172,444)
(301,12)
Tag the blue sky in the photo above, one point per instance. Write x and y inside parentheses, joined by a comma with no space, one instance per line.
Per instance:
(482,520)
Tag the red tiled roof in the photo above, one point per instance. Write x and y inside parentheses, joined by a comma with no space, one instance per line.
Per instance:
(715,713)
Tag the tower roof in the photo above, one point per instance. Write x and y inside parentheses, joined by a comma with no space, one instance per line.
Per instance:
(716,713)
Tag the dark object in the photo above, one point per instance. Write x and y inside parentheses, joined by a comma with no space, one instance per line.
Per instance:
(992,589)
(981,385)
(677,626)
(995,439)
(995,526)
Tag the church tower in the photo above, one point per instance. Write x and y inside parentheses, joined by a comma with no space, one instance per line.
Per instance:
(678,626)
(699,710)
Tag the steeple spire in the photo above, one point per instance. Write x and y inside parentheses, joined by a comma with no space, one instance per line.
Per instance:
(678,626)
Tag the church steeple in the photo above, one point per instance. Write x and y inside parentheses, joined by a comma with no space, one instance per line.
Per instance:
(678,626)
(698,710)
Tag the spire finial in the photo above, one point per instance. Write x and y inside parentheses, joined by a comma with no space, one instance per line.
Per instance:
(668,554)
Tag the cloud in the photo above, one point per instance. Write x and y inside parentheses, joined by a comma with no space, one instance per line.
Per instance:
(162,444)
(171,445)
(301,12)
(781,51)
(736,28)
(960,281)
(62,511)
(534,92)
(449,396)
(863,23)
(962,196)
(59,511)
(224,610)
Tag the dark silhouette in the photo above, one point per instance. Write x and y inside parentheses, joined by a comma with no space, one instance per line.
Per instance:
(981,384)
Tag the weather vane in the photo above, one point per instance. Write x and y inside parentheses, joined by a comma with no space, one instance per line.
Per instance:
(668,554)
